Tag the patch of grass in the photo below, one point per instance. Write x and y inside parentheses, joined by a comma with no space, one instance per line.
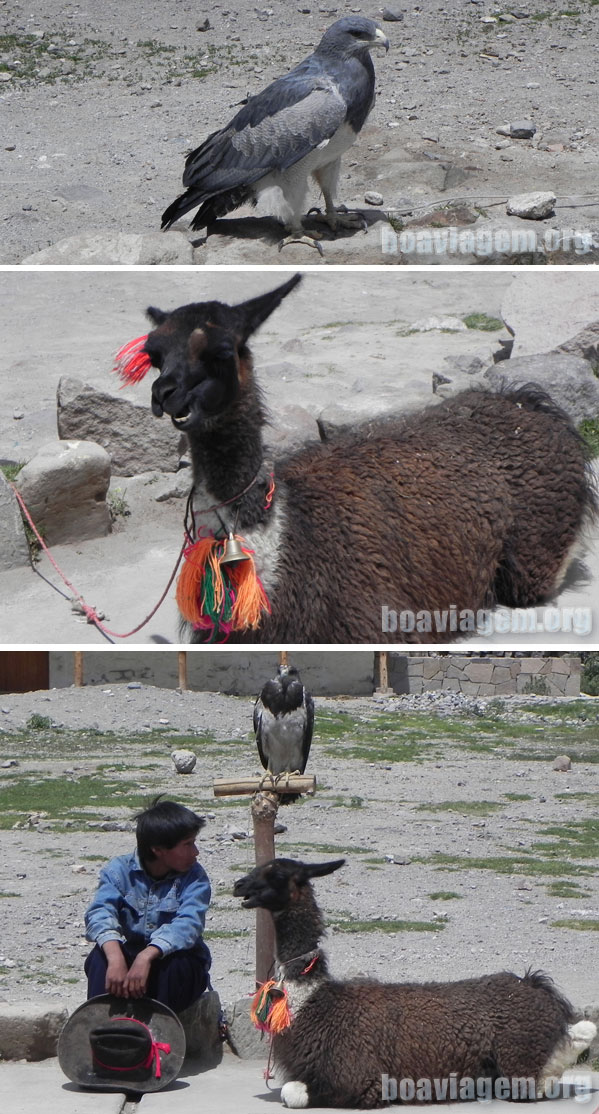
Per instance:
(563,888)
(39,723)
(224,933)
(579,839)
(589,431)
(483,322)
(536,686)
(578,924)
(517,796)
(444,895)
(7,893)
(379,925)
(467,808)
(509,864)
(117,504)
(11,471)
(339,850)
(78,799)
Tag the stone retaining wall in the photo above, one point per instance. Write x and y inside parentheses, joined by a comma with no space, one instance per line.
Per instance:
(486,675)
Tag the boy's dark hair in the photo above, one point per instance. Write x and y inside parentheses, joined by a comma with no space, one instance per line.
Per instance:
(164,824)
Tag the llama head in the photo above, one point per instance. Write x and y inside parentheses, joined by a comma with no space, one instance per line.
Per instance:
(276,885)
(200,351)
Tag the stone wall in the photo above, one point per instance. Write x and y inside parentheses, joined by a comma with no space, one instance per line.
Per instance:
(487,674)
(330,672)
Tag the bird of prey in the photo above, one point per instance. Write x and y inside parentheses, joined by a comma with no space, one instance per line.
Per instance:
(299,125)
(283,723)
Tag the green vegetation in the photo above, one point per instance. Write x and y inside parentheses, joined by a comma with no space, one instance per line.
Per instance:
(579,924)
(563,888)
(467,808)
(517,796)
(483,322)
(518,863)
(117,504)
(39,723)
(11,471)
(445,895)
(377,924)
(579,839)
(589,679)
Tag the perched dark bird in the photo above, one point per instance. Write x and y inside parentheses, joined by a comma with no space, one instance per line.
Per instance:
(299,125)
(283,723)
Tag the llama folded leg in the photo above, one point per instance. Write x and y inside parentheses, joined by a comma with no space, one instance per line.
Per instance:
(295,1095)
(578,1039)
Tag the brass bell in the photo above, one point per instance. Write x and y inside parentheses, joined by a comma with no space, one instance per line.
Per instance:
(233,552)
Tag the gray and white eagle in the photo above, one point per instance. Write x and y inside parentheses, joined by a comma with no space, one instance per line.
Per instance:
(283,723)
(299,125)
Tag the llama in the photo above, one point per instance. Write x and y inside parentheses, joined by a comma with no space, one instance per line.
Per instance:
(345,1041)
(471,503)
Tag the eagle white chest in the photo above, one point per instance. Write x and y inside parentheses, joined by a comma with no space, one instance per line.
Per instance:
(282,740)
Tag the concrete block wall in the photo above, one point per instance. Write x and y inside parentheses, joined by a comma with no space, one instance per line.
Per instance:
(488,675)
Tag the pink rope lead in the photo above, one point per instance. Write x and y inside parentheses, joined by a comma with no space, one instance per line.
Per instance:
(90,612)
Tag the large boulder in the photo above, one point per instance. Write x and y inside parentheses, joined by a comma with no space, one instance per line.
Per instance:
(150,249)
(544,312)
(134,439)
(14,550)
(64,487)
(568,379)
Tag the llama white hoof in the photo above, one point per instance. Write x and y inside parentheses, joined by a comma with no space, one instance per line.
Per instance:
(294,1095)
(581,1035)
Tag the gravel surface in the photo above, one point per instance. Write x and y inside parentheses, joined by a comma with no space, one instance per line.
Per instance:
(373,812)
(101,102)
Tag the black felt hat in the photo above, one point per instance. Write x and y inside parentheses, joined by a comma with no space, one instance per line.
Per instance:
(122,1044)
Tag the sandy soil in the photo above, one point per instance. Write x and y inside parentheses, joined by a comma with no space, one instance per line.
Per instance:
(343,340)
(101,102)
(382,816)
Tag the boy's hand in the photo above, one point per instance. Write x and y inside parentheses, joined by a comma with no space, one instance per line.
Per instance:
(136,979)
(116,972)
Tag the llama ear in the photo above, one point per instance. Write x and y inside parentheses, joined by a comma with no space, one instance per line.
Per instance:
(317,870)
(252,313)
(158,316)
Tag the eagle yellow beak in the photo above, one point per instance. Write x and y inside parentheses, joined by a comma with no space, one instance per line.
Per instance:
(380,39)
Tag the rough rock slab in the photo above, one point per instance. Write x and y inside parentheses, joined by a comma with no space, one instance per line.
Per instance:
(64,487)
(30,1030)
(248,1042)
(540,324)
(117,248)
(14,550)
(568,379)
(134,440)
(532,206)
(201,1025)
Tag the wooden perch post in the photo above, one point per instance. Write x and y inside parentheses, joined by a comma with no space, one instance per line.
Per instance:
(182,661)
(265,791)
(78,667)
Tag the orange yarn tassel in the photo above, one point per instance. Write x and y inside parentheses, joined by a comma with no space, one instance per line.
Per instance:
(270,1008)
(224,597)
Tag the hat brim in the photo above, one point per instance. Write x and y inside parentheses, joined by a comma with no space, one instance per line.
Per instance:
(74,1051)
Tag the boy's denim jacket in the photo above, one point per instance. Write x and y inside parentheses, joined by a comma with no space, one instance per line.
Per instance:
(167,912)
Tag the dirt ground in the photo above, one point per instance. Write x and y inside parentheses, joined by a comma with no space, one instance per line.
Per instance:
(466,852)
(345,341)
(101,102)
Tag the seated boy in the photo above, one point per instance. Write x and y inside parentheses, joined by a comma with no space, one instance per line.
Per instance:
(147,916)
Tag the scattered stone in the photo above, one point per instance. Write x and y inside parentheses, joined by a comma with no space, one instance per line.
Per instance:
(79,868)
(569,380)
(134,685)
(562,763)
(371,197)
(11,761)
(391,15)
(160,248)
(279,828)
(398,860)
(237,833)
(532,206)
(14,551)
(64,487)
(521,129)
(127,430)
(184,761)
(205,26)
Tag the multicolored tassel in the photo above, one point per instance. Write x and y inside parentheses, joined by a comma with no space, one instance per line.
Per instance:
(131,363)
(216,597)
(270,1008)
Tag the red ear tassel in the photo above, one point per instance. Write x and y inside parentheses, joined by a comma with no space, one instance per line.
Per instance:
(131,362)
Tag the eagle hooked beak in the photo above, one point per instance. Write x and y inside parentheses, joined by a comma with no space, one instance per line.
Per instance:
(380,39)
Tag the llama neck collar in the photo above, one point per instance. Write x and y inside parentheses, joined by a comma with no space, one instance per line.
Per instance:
(309,959)
(190,511)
